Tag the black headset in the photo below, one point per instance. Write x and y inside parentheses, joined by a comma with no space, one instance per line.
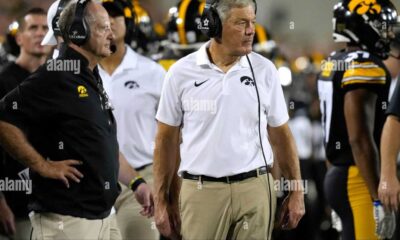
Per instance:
(54,22)
(211,24)
(79,31)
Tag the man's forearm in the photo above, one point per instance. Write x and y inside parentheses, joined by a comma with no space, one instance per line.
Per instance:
(390,146)
(165,164)
(285,152)
(15,143)
(176,183)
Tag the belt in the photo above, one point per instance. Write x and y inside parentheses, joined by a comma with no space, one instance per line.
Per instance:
(229,179)
(143,167)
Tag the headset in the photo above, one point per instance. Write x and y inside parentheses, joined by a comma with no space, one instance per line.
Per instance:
(211,24)
(54,22)
(79,32)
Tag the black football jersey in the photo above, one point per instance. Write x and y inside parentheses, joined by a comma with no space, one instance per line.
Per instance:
(343,72)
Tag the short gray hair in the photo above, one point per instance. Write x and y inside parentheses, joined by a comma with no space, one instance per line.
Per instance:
(224,6)
(67,18)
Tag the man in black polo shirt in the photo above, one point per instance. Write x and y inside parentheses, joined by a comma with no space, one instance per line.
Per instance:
(59,116)
(14,205)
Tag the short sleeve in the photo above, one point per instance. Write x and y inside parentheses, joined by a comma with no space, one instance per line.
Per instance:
(277,113)
(363,75)
(170,107)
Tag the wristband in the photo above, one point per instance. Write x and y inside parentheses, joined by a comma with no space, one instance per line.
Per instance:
(377,203)
(134,184)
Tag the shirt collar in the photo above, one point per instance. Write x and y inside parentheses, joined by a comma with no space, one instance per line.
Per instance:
(202,58)
(72,54)
(130,59)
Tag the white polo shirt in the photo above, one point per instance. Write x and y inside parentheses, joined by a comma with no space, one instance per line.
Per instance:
(219,113)
(134,89)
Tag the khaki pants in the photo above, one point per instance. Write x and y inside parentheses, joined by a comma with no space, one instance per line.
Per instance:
(131,224)
(23,230)
(240,210)
(115,233)
(48,226)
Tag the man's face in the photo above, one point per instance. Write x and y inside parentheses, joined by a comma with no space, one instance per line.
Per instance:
(238,30)
(31,34)
(101,35)
(118,28)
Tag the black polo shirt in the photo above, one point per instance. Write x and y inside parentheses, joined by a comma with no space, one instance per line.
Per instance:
(10,77)
(65,116)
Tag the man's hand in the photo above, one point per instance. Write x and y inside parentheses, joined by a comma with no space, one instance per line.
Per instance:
(167,220)
(7,222)
(385,221)
(292,210)
(144,196)
(389,193)
(60,170)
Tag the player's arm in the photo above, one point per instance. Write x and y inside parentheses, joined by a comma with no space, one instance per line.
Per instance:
(359,110)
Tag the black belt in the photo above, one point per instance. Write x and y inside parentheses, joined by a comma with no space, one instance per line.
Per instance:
(143,167)
(230,179)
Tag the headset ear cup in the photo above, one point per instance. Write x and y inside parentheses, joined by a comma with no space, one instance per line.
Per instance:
(216,23)
(80,30)
(86,31)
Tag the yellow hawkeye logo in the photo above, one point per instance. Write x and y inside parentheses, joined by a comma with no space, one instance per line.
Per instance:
(82,91)
(363,6)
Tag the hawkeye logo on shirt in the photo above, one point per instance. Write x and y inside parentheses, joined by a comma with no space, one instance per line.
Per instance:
(82,91)
(248,81)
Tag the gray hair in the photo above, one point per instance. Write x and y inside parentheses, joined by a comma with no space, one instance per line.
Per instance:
(67,18)
(224,6)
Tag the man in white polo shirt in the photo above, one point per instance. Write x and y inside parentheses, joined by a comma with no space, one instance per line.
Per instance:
(224,100)
(133,83)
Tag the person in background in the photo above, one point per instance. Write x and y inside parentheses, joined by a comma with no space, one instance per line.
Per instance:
(134,84)
(353,89)
(14,220)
